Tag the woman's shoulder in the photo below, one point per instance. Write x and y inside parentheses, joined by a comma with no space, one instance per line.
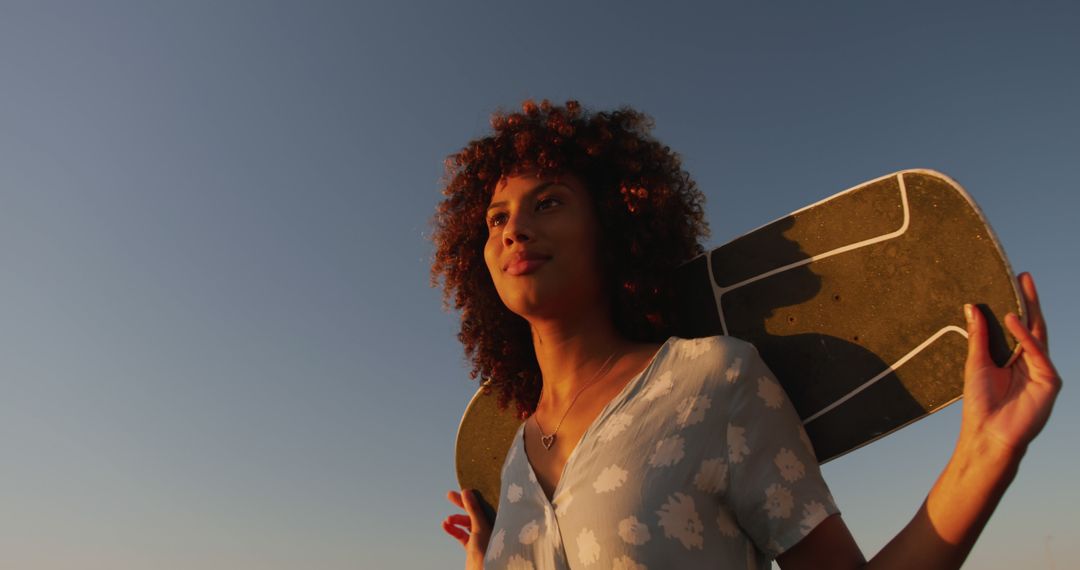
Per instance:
(714,348)
(711,363)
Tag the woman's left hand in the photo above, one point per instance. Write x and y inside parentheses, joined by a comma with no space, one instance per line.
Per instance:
(1009,405)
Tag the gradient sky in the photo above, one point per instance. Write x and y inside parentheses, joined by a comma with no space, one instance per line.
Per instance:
(218,343)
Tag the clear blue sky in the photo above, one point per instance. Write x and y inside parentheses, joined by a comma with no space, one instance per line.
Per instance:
(218,346)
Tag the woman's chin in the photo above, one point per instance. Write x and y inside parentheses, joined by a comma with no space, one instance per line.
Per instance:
(530,309)
(539,309)
(543,299)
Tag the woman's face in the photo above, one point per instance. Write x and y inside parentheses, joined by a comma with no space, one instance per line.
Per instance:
(541,248)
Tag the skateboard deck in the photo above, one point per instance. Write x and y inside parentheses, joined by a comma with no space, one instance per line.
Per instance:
(855,303)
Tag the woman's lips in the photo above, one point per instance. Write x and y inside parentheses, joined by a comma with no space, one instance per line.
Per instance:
(524,266)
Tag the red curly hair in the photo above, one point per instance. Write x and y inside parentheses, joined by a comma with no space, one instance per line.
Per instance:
(648,209)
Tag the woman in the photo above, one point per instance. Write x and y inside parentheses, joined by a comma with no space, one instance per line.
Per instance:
(556,241)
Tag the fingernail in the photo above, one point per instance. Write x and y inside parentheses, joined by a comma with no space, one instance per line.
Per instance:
(967,312)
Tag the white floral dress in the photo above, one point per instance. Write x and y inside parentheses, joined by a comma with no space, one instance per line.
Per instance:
(699,462)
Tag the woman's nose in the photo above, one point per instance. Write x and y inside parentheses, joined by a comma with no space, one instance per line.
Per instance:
(516,230)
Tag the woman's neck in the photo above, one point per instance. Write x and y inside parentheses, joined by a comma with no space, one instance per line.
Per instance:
(571,352)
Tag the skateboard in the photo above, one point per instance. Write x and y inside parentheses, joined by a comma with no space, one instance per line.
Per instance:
(855,303)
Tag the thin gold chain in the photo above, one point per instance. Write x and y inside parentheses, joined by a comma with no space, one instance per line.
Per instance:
(549,439)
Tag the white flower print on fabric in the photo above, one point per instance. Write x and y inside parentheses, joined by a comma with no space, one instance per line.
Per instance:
(812,514)
(778,501)
(732,373)
(615,424)
(564,504)
(791,469)
(694,348)
(736,443)
(514,492)
(659,387)
(532,475)
(588,547)
(692,410)
(495,546)
(626,563)
(529,533)
(516,562)
(711,478)
(726,522)
(680,520)
(668,451)
(633,531)
(770,392)
(611,478)
(785,488)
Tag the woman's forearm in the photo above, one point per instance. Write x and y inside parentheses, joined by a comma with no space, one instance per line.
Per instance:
(944,530)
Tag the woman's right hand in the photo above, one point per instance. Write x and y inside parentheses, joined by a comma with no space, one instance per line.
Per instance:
(472,530)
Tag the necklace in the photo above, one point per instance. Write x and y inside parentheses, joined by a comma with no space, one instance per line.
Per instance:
(548,440)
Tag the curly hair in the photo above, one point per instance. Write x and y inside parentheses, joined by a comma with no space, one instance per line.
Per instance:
(648,209)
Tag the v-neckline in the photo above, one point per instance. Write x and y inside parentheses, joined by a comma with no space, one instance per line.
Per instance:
(621,395)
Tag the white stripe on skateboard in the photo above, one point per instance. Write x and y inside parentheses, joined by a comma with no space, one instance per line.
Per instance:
(719,291)
(887,371)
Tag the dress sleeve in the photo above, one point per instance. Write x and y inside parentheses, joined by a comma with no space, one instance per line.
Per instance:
(776,491)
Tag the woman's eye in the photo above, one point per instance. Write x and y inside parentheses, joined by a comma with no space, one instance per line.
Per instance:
(496,219)
(541,203)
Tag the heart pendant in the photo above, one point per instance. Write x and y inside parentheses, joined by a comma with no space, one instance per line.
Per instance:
(547,440)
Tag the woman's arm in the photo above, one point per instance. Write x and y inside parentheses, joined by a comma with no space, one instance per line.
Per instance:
(1004,409)
(940,535)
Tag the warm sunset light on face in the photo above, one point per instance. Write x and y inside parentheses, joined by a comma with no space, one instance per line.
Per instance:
(541,245)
